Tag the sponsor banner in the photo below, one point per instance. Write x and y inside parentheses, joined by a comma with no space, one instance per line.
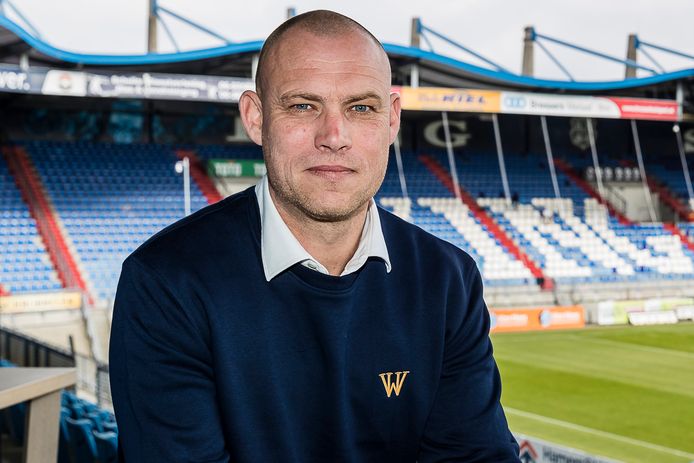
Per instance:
(617,312)
(448,99)
(614,312)
(41,81)
(236,168)
(558,105)
(685,313)
(64,83)
(536,318)
(38,302)
(14,80)
(491,101)
(589,106)
(641,108)
(534,450)
(666,303)
(666,317)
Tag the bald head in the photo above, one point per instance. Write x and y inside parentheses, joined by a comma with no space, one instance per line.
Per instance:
(321,23)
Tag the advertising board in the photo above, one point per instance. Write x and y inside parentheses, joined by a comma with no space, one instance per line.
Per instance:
(536,318)
(39,302)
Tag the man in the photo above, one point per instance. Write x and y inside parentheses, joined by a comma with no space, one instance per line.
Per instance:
(296,321)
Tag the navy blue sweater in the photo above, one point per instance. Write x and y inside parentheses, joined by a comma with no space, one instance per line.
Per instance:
(209,362)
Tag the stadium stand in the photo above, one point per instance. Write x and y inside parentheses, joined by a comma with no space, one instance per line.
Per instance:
(570,243)
(236,151)
(110,198)
(88,433)
(666,176)
(434,208)
(24,262)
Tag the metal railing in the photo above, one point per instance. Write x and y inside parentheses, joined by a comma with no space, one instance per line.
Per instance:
(25,351)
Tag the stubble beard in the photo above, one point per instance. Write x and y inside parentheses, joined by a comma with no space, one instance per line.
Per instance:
(310,208)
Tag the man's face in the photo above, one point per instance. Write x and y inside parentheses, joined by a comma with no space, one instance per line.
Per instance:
(328,119)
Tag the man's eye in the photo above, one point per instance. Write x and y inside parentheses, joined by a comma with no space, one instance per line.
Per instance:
(302,107)
(361,108)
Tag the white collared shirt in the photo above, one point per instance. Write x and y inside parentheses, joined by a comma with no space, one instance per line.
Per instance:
(280,249)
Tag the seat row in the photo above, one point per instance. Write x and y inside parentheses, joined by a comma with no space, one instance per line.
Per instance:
(88,433)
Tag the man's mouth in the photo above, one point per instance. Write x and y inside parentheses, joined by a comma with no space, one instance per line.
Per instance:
(331,172)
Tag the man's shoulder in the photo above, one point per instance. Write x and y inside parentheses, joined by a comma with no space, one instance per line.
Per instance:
(201,232)
(403,237)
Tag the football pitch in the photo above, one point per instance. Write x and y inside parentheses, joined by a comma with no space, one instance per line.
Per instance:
(625,393)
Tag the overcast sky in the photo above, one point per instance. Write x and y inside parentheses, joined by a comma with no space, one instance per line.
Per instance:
(493,28)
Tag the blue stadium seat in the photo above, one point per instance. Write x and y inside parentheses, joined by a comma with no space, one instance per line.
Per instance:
(64,437)
(81,441)
(106,447)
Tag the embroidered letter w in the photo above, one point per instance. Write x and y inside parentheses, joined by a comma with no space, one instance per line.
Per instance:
(393,385)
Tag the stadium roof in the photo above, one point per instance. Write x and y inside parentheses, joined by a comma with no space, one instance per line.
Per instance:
(235,60)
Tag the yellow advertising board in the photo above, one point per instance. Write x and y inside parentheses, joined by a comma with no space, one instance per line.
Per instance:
(449,99)
(39,302)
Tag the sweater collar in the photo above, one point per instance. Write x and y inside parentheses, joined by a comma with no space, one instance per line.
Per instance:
(280,249)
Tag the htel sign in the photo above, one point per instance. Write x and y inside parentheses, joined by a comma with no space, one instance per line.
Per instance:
(454,98)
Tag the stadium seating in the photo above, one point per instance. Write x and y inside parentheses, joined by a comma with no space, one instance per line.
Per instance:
(431,206)
(81,444)
(668,170)
(110,198)
(24,262)
(88,433)
(228,151)
(567,237)
(106,446)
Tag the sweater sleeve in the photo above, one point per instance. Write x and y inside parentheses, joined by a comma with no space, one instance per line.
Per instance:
(467,422)
(161,375)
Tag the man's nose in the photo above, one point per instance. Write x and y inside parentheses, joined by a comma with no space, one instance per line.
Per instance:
(333,132)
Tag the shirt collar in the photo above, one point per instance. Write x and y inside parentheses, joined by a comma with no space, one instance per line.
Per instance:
(280,249)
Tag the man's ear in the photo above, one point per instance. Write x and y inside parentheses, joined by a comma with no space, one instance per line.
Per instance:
(251,110)
(394,115)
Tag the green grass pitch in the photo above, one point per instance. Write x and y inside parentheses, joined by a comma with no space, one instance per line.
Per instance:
(625,393)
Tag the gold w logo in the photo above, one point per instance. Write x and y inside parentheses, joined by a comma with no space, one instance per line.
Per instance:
(393,386)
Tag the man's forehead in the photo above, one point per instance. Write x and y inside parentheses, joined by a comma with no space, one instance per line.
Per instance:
(338,65)
(298,47)
(305,61)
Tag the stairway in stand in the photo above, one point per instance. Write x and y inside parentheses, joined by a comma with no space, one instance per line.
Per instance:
(200,177)
(34,195)
(575,177)
(481,215)
(653,187)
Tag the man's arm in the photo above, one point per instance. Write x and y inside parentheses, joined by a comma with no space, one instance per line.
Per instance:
(467,423)
(162,382)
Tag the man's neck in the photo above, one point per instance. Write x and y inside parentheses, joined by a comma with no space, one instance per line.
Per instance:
(331,243)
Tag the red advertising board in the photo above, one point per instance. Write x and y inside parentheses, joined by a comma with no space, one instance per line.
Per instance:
(641,108)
